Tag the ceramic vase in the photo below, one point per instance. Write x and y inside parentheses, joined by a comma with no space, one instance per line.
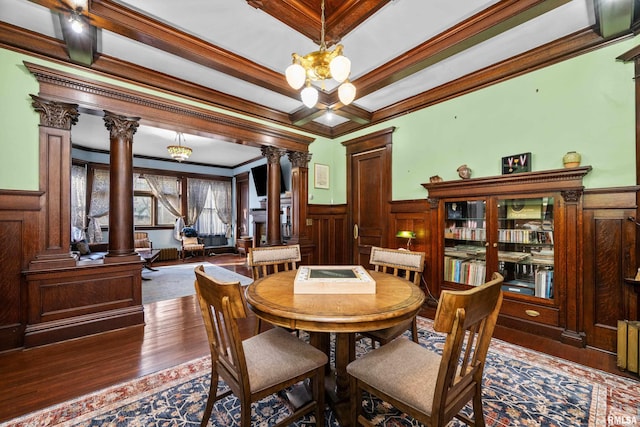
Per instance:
(464,172)
(571,159)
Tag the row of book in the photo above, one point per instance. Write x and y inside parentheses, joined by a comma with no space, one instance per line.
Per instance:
(629,345)
(525,236)
(504,235)
(468,271)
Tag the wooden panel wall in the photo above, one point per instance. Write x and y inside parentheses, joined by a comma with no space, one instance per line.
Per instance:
(412,215)
(609,256)
(74,302)
(19,237)
(330,234)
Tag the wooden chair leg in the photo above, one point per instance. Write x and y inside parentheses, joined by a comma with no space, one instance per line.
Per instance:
(213,390)
(414,331)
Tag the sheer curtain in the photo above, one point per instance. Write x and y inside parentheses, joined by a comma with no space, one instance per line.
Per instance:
(78,202)
(165,188)
(221,192)
(99,205)
(197,190)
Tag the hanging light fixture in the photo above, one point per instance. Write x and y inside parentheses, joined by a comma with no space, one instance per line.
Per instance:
(75,21)
(321,65)
(179,152)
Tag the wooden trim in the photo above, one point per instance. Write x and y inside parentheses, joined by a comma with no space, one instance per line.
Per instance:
(16,38)
(20,200)
(154,111)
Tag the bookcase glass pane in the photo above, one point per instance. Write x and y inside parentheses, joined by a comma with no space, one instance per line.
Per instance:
(525,245)
(465,236)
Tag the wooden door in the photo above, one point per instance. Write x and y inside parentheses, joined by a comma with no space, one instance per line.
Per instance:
(242,205)
(609,257)
(369,192)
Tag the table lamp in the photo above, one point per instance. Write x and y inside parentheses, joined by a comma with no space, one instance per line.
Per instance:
(406,234)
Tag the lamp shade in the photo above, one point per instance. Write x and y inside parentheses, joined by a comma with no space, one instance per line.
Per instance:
(340,67)
(296,75)
(406,234)
(309,96)
(347,92)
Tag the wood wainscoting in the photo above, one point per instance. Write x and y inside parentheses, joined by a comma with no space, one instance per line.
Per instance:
(330,234)
(85,300)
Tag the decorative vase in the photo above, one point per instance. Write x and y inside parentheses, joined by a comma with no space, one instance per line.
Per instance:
(571,159)
(435,178)
(464,171)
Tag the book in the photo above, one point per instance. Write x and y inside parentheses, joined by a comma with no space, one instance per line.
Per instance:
(622,344)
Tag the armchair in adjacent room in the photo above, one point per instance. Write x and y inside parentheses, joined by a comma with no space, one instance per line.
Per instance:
(190,243)
(141,241)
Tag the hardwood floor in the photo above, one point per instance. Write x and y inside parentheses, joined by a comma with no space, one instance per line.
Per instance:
(36,378)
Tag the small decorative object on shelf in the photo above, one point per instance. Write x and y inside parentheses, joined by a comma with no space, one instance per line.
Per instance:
(571,159)
(464,171)
(637,275)
(435,178)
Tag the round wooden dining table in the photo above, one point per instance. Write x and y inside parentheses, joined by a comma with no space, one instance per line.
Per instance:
(396,299)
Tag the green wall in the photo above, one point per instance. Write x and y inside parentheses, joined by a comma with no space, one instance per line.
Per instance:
(18,125)
(585,104)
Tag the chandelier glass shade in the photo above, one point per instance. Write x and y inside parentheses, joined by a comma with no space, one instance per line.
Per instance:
(321,65)
(179,152)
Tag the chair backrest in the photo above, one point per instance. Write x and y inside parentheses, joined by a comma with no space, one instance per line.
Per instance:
(221,304)
(272,259)
(190,241)
(141,240)
(399,262)
(468,318)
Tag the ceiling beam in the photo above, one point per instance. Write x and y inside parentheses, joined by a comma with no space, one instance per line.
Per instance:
(479,28)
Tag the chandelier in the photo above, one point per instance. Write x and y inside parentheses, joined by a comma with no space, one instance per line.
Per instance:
(321,65)
(179,152)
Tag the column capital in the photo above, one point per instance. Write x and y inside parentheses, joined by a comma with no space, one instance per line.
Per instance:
(121,126)
(273,154)
(55,114)
(299,159)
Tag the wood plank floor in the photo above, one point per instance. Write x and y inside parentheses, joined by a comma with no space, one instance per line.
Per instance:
(36,378)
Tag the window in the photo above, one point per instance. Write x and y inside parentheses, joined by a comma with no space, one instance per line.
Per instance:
(151,194)
(209,221)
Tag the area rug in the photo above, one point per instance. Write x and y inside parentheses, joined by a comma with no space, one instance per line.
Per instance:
(175,281)
(521,388)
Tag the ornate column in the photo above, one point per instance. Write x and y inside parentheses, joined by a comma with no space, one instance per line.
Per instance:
(54,219)
(299,195)
(273,155)
(121,130)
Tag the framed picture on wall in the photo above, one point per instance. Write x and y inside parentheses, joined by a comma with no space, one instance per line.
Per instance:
(516,163)
(320,175)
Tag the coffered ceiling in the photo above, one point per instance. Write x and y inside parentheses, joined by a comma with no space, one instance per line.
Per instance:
(232,54)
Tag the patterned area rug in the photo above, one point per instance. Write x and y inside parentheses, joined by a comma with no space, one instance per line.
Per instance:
(175,281)
(521,388)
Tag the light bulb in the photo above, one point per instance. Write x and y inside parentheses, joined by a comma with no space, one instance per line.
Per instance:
(340,67)
(76,24)
(295,75)
(309,96)
(347,92)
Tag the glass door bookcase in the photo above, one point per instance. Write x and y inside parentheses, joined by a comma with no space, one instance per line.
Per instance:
(527,227)
(524,246)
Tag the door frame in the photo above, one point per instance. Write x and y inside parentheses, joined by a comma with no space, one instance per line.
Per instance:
(380,140)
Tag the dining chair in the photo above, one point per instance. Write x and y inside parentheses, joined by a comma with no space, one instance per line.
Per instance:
(272,259)
(432,387)
(402,263)
(258,366)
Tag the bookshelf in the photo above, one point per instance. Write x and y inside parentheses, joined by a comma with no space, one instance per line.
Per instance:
(526,227)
